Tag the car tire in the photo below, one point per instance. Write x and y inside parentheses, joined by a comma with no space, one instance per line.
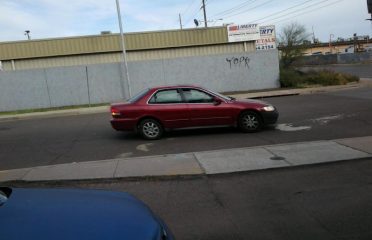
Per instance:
(250,121)
(150,129)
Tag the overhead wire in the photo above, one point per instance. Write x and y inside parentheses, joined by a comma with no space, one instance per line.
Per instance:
(284,10)
(302,11)
(188,7)
(296,11)
(207,2)
(235,8)
(200,8)
(247,10)
(230,12)
(193,16)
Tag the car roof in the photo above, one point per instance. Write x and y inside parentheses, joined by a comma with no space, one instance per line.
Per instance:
(175,86)
(76,214)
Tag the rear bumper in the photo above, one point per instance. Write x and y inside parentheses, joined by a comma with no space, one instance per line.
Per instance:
(270,117)
(123,124)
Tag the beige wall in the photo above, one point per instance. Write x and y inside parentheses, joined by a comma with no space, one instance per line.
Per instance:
(109,57)
(111,43)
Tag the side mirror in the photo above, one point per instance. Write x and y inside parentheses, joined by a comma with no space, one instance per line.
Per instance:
(217,101)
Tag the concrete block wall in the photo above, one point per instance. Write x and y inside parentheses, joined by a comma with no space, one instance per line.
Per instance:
(223,73)
(23,90)
(354,58)
(102,83)
(346,58)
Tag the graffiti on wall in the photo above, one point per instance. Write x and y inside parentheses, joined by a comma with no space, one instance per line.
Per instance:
(238,62)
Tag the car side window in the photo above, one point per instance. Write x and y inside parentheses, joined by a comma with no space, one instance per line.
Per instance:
(197,96)
(166,96)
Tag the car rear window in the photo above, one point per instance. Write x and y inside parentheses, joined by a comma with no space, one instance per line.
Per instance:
(138,96)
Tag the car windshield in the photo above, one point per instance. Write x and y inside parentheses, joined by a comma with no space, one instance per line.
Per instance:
(221,95)
(138,96)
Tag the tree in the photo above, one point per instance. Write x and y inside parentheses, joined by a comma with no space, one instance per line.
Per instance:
(292,38)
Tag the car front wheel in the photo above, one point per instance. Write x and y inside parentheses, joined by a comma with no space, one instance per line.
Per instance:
(250,121)
(151,129)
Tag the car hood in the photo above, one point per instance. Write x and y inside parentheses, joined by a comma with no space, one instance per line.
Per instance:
(76,214)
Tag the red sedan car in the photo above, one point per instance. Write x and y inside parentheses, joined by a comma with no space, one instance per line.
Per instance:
(154,110)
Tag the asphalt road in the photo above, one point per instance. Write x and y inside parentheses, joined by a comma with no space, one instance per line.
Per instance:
(36,142)
(330,202)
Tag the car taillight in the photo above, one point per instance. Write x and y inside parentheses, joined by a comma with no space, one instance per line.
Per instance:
(115,112)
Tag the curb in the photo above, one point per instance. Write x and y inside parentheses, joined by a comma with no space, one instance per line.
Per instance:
(298,91)
(58,113)
(198,164)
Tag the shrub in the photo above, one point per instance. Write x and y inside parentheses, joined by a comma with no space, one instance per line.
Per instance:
(294,78)
(290,78)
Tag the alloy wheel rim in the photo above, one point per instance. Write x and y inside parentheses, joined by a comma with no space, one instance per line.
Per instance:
(151,129)
(250,121)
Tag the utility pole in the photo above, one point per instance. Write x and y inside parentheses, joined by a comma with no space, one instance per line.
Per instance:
(313,34)
(125,64)
(205,14)
(179,16)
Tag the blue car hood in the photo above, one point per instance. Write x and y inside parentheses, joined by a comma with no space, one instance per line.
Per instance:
(76,214)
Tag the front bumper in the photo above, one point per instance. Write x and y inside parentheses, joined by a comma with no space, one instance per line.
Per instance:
(270,117)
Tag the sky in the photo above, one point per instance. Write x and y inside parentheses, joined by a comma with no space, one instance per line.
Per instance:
(53,18)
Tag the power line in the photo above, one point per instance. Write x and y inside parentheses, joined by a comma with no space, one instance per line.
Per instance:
(258,6)
(188,7)
(207,2)
(193,16)
(306,12)
(296,11)
(276,13)
(237,7)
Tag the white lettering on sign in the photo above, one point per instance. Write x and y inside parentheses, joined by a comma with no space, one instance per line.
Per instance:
(243,32)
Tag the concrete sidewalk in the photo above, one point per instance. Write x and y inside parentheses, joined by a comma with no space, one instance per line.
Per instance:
(55,113)
(103,109)
(201,163)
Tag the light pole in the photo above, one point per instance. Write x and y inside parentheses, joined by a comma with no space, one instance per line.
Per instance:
(122,42)
(180,19)
(330,42)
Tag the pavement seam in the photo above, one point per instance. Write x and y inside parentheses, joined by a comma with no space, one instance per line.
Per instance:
(200,164)
(116,167)
(24,175)
(353,148)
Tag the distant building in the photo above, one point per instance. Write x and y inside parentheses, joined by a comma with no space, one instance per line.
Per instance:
(341,46)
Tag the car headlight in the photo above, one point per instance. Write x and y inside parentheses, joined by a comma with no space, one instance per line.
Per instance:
(268,108)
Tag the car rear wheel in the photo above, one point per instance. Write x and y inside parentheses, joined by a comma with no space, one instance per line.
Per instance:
(151,129)
(250,122)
